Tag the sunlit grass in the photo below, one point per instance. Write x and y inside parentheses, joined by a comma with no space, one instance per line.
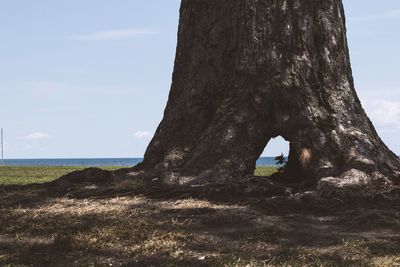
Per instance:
(21,175)
(265,171)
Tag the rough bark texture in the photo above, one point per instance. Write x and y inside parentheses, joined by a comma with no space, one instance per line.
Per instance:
(250,70)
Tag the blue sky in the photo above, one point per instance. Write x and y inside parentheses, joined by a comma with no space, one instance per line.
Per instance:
(91,78)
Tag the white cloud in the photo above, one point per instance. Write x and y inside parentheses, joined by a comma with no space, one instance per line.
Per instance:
(393,14)
(37,136)
(121,34)
(385,114)
(33,141)
(142,134)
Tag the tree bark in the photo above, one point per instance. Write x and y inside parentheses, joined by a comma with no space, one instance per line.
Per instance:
(247,71)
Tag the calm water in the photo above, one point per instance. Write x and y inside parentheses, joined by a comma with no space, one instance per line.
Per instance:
(263,161)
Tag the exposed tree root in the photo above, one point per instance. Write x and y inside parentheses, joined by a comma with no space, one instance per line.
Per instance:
(352,185)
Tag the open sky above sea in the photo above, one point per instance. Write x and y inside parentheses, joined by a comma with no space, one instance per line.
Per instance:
(91,78)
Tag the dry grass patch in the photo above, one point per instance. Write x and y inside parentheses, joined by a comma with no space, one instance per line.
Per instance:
(40,230)
(97,225)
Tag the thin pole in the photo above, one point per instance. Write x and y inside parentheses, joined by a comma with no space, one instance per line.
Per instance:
(2,147)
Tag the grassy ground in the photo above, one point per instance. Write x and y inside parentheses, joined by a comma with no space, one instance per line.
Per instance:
(27,175)
(265,171)
(41,229)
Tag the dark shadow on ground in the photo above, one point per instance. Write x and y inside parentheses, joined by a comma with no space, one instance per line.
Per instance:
(89,224)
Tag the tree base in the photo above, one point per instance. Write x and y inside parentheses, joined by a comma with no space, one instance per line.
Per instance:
(352,183)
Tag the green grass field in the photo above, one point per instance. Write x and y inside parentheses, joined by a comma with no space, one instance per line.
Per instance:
(26,175)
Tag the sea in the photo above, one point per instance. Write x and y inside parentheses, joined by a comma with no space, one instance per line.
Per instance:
(93,162)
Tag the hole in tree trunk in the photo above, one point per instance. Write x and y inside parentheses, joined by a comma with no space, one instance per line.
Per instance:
(275,147)
(267,164)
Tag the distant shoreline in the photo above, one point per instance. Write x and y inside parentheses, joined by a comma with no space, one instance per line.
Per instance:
(98,162)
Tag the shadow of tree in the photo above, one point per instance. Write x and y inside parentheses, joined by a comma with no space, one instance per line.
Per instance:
(103,226)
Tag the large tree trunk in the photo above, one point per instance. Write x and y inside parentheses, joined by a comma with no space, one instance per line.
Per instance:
(250,70)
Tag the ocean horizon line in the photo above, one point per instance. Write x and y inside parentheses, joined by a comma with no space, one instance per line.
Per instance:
(98,162)
(61,158)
